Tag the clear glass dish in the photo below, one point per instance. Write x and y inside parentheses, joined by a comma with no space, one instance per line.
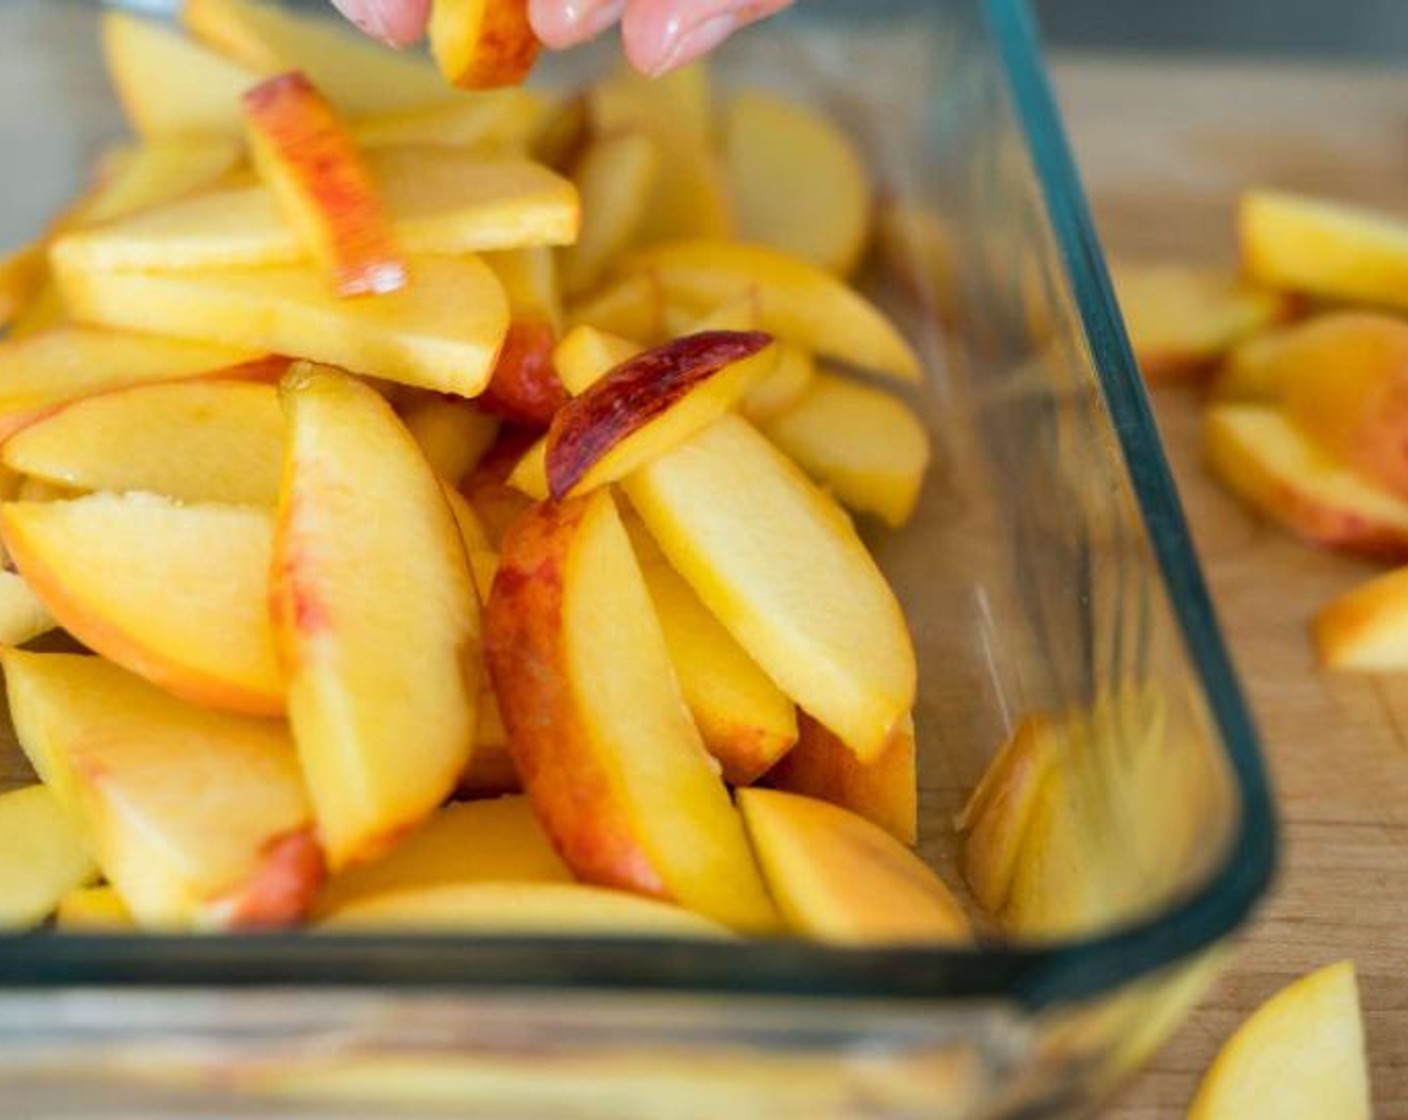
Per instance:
(1049,570)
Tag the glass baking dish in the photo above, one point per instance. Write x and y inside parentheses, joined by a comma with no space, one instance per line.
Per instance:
(1048,570)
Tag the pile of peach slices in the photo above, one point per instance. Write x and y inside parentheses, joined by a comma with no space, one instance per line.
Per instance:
(447,494)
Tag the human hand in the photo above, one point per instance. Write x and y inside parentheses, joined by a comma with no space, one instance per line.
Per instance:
(658,34)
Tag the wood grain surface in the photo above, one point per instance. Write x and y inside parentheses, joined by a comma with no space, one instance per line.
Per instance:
(1165,149)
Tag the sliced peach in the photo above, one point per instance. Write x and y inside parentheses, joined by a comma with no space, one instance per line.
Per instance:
(196,441)
(916,244)
(599,728)
(442,332)
(649,404)
(317,175)
(1366,629)
(529,277)
(43,371)
(615,177)
(169,85)
(23,615)
(93,910)
(197,817)
(46,856)
(798,302)
(525,388)
(495,503)
(159,171)
(1299,1057)
(453,435)
(631,308)
(44,312)
(147,582)
(498,120)
(368,563)
(746,722)
(863,444)
(762,546)
(1252,370)
(585,355)
(1273,466)
(682,98)
(1301,244)
(1181,319)
(838,877)
(359,75)
(480,44)
(885,791)
(995,820)
(475,539)
(539,909)
(442,202)
(469,842)
(22,275)
(797,181)
(530,475)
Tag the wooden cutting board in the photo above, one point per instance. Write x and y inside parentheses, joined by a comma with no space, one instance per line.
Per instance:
(1165,149)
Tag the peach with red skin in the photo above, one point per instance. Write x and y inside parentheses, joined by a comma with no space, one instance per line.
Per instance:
(482,44)
(525,388)
(279,893)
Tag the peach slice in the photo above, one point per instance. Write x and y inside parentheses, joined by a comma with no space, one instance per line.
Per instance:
(368,563)
(442,332)
(453,435)
(599,728)
(682,98)
(529,277)
(480,44)
(196,441)
(525,388)
(885,792)
(1181,319)
(797,301)
(837,877)
(46,856)
(1299,1057)
(40,373)
(995,820)
(783,388)
(649,404)
(1273,466)
(1366,628)
(1252,370)
(46,311)
(475,538)
(861,443)
(797,181)
(167,84)
(23,615)
(1322,248)
(746,722)
(916,245)
(468,842)
(497,120)
(93,910)
(762,546)
(441,202)
(359,75)
(631,308)
(615,178)
(159,171)
(537,909)
(491,771)
(585,355)
(22,275)
(197,817)
(315,172)
(147,582)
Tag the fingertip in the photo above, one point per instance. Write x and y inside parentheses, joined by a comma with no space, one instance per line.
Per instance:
(397,23)
(561,24)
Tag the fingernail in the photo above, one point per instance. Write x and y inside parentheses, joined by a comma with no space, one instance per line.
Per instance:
(599,17)
(694,41)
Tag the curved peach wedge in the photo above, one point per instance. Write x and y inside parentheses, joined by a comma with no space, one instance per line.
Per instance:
(649,404)
(368,564)
(480,44)
(46,856)
(1366,628)
(599,730)
(146,582)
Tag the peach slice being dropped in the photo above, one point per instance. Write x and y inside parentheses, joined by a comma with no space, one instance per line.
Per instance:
(615,177)
(440,201)
(442,332)
(1271,464)
(369,564)
(1366,628)
(1324,248)
(861,443)
(837,877)
(797,180)
(197,817)
(169,85)
(46,856)
(1299,1057)
(599,728)
(93,910)
(146,582)
(43,371)
(315,172)
(360,76)
(649,404)
(797,301)
(196,441)
(480,44)
(884,791)
(762,546)
(539,909)
(23,615)
(467,842)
